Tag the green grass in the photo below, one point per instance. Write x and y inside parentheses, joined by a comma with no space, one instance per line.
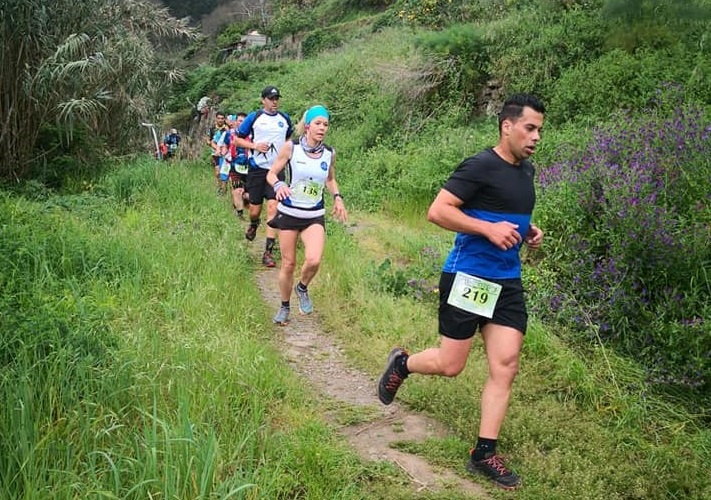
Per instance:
(138,358)
(581,425)
(139,361)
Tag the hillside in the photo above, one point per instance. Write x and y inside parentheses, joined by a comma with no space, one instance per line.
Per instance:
(139,355)
(213,15)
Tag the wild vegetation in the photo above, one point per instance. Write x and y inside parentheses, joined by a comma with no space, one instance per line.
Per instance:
(126,375)
(78,78)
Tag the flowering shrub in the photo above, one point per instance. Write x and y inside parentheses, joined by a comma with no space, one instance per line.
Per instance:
(629,218)
(430,13)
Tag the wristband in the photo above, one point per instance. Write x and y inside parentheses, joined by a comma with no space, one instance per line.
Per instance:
(337,195)
(279,184)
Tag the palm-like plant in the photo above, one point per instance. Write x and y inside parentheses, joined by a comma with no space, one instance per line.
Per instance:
(88,64)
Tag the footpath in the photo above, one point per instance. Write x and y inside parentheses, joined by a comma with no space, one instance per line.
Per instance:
(320,361)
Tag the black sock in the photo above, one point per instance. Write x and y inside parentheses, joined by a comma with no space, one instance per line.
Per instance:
(302,287)
(285,303)
(270,244)
(254,222)
(401,365)
(485,448)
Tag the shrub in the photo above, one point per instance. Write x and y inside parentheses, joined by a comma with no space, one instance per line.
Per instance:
(463,50)
(319,40)
(616,80)
(629,217)
(532,60)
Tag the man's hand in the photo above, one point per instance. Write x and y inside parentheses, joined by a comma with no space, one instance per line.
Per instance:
(534,237)
(503,235)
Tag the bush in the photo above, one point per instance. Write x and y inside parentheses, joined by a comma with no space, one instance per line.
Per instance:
(532,60)
(616,80)
(629,218)
(463,50)
(320,40)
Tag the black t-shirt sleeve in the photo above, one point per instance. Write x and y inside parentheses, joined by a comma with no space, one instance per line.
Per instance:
(467,179)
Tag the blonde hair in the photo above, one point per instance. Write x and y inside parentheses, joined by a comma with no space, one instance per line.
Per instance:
(300,128)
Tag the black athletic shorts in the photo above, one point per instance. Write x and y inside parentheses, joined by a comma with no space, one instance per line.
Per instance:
(288,222)
(459,324)
(257,186)
(238,180)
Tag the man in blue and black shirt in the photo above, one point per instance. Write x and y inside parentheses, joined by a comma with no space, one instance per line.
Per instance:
(488,202)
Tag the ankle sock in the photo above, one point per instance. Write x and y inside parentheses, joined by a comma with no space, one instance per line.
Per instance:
(401,365)
(270,244)
(302,287)
(285,303)
(485,447)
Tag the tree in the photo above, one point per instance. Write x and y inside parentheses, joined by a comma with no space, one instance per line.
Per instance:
(78,65)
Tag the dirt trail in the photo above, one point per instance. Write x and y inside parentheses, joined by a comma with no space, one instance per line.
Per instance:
(319,360)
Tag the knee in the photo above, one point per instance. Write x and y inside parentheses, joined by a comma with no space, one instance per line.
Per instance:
(451,371)
(287,265)
(311,263)
(506,370)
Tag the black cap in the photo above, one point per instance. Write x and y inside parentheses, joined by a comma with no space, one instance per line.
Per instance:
(270,91)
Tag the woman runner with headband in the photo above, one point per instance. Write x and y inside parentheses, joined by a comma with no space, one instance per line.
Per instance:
(301,209)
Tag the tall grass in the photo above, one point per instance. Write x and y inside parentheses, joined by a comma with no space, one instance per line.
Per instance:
(137,357)
(581,425)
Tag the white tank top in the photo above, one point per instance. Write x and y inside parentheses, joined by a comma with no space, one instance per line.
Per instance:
(307,180)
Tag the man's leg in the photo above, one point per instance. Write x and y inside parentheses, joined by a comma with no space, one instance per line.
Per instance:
(268,258)
(255,187)
(503,347)
(255,212)
(448,360)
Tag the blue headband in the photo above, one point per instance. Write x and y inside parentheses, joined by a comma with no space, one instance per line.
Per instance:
(314,112)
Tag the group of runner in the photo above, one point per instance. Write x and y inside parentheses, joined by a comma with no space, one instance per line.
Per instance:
(252,156)
(488,201)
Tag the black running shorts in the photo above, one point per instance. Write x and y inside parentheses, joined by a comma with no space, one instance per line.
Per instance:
(289,223)
(459,324)
(257,186)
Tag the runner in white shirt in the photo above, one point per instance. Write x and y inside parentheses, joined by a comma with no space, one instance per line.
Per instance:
(263,132)
(301,208)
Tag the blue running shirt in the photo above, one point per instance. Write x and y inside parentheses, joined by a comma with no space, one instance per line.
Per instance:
(492,190)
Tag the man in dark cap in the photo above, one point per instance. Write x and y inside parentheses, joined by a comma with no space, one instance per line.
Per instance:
(263,131)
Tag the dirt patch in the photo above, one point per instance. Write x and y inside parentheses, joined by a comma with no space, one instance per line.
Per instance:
(316,356)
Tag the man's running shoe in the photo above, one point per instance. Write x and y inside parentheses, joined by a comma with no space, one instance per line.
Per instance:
(251,232)
(268,260)
(282,316)
(305,305)
(391,379)
(494,468)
